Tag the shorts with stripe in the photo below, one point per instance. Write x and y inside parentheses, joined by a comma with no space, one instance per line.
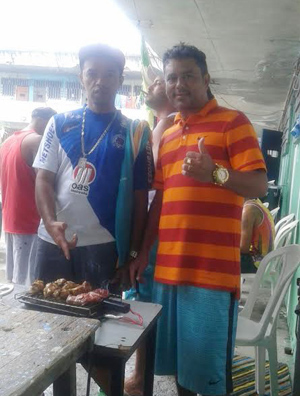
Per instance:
(196,336)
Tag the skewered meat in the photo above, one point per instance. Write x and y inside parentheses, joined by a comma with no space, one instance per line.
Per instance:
(70,285)
(60,282)
(50,289)
(62,289)
(91,297)
(65,291)
(84,288)
(37,287)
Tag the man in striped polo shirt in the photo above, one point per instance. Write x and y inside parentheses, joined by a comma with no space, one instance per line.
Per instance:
(208,161)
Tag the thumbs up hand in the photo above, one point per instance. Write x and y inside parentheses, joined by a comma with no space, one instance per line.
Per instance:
(199,165)
(201,146)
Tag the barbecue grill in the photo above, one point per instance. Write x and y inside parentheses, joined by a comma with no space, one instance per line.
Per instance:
(110,304)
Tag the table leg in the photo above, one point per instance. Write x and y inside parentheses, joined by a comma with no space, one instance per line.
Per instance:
(65,385)
(117,377)
(150,360)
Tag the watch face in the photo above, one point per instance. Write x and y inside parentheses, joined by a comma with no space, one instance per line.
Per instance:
(222,175)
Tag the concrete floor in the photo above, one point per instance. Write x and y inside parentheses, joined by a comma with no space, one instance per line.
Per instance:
(165,386)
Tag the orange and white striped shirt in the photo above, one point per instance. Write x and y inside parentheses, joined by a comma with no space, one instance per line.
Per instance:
(200,223)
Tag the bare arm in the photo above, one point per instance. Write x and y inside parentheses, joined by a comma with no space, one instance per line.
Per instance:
(157,134)
(139,218)
(138,228)
(45,201)
(248,184)
(30,147)
(200,166)
(248,221)
(138,266)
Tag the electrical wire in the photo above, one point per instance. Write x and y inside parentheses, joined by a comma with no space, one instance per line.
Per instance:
(139,321)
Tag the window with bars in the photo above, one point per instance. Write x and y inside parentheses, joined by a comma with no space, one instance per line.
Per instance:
(73,91)
(9,85)
(137,90)
(125,90)
(54,90)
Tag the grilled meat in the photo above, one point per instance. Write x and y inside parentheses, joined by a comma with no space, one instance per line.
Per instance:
(37,287)
(89,298)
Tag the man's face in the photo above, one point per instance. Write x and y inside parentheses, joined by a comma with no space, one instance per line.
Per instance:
(156,96)
(101,79)
(186,87)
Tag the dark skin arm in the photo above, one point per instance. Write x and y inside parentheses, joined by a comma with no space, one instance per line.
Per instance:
(138,266)
(29,147)
(138,227)
(250,218)
(200,166)
(45,200)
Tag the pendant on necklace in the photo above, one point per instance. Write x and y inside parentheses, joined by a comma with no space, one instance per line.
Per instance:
(82,162)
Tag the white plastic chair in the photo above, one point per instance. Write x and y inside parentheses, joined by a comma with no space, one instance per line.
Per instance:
(283,238)
(284,221)
(274,212)
(262,334)
(285,234)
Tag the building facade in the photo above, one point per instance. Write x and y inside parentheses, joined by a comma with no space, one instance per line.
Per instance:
(32,79)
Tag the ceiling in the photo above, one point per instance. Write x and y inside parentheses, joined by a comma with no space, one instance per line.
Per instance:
(251,46)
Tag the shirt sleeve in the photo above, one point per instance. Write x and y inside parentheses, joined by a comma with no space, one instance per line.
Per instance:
(242,146)
(47,155)
(143,172)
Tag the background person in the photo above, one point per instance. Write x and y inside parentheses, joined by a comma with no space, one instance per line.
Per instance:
(258,234)
(20,215)
(157,100)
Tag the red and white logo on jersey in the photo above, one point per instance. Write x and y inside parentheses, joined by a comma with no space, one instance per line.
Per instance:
(83,175)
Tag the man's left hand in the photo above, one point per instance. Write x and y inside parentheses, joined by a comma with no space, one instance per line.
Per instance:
(199,166)
(122,278)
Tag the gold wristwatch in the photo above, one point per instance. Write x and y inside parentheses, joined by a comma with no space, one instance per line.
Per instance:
(220,175)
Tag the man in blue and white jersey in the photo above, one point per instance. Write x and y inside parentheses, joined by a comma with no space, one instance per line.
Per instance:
(95,168)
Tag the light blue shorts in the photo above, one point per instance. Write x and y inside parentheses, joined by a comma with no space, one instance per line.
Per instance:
(196,337)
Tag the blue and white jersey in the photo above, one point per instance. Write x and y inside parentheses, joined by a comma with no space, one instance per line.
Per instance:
(86,196)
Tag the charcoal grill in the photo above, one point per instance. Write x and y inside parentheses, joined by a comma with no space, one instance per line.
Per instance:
(108,305)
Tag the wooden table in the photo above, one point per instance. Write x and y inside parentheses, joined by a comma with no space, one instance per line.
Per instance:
(38,349)
(116,341)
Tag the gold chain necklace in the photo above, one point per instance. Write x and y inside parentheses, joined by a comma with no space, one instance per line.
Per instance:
(83,159)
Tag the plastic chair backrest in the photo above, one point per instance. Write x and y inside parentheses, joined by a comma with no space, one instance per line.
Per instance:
(284,235)
(285,220)
(274,212)
(290,259)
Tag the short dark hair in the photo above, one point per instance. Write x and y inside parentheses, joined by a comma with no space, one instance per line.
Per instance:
(183,51)
(101,51)
(43,112)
